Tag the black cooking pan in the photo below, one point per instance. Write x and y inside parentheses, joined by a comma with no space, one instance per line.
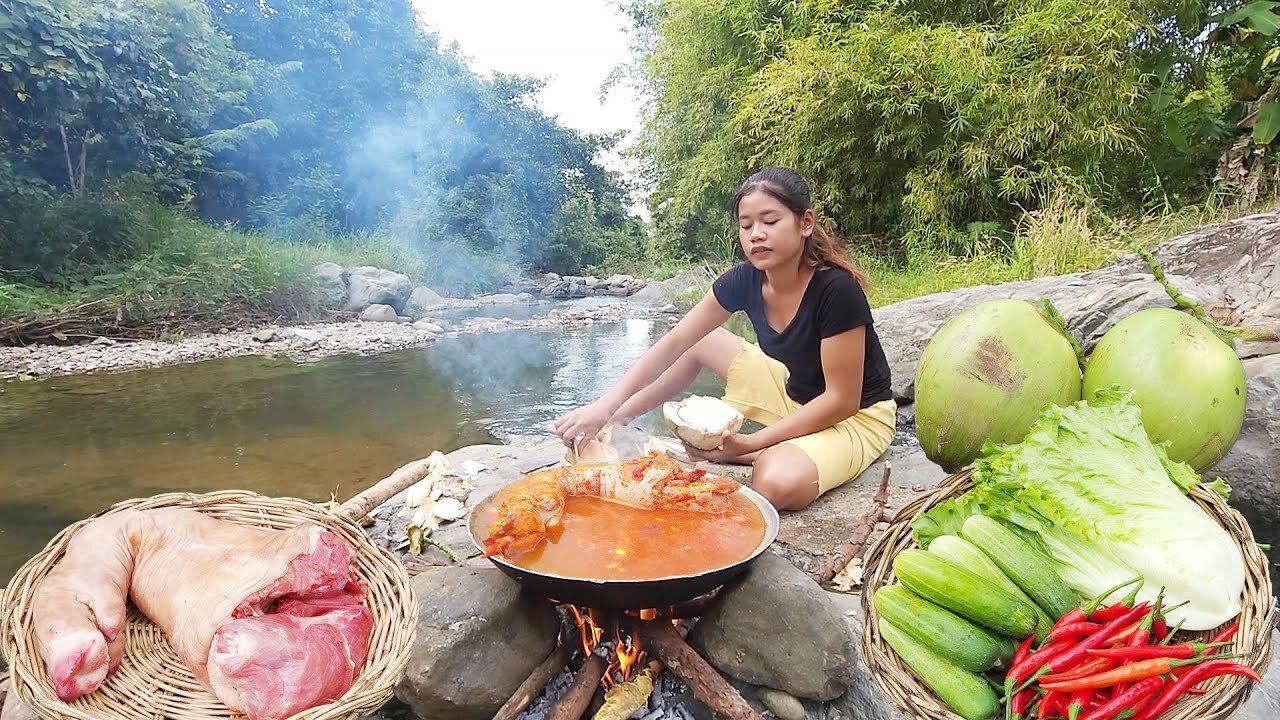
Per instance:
(627,594)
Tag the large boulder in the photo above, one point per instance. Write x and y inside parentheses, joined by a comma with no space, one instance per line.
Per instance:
(664,292)
(11,708)
(379,313)
(422,300)
(807,651)
(479,636)
(369,285)
(1236,263)
(333,283)
(1252,467)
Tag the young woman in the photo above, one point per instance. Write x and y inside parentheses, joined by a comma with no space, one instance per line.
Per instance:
(818,380)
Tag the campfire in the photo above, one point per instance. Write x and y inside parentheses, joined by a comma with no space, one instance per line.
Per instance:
(608,664)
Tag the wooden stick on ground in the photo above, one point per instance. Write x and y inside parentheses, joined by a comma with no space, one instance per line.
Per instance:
(861,533)
(537,680)
(573,704)
(385,489)
(660,638)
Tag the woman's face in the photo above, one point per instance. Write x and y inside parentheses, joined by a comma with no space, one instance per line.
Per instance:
(770,233)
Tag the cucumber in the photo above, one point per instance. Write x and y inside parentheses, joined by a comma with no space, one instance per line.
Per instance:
(1022,563)
(966,693)
(968,556)
(944,583)
(950,636)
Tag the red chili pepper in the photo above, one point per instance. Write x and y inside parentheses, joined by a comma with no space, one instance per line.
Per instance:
(1077,703)
(1049,705)
(1160,628)
(1124,636)
(1111,613)
(1023,650)
(1082,613)
(1169,635)
(1226,634)
(1095,665)
(1021,702)
(1128,673)
(1222,637)
(1145,652)
(1073,629)
(1139,706)
(1198,674)
(1061,657)
(1127,699)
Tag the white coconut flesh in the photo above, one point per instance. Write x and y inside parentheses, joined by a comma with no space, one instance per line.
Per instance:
(702,421)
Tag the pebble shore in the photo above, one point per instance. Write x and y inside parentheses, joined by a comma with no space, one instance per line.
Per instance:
(300,342)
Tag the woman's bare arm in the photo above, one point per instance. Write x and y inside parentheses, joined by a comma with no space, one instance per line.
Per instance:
(842,368)
(586,421)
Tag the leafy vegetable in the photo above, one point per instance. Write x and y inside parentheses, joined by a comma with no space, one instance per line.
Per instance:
(1106,504)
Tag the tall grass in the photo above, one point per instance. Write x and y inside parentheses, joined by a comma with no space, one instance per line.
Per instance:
(1064,237)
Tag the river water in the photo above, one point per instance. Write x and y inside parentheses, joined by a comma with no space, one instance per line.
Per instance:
(72,446)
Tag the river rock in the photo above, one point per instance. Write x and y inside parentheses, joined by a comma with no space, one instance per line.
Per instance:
(1252,467)
(479,636)
(428,326)
(379,313)
(303,337)
(333,284)
(374,286)
(1236,263)
(11,708)
(864,699)
(783,705)
(422,300)
(665,292)
(806,651)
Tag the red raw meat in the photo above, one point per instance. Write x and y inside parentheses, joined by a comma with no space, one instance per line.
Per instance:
(271,622)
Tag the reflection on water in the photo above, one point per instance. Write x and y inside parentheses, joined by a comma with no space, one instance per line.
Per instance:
(69,447)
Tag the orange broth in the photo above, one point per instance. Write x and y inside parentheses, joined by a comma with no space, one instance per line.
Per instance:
(605,540)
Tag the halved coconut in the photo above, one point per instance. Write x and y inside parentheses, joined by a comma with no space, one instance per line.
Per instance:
(702,421)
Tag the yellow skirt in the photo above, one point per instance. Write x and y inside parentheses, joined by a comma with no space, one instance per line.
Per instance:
(757,386)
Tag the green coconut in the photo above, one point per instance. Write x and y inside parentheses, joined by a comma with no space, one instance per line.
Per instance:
(1188,382)
(987,373)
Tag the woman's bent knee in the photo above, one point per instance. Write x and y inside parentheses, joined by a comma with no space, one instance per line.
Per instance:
(786,477)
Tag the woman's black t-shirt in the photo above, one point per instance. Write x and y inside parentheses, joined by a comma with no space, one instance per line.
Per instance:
(833,303)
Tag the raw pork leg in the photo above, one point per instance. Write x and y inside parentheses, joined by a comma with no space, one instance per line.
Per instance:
(271,621)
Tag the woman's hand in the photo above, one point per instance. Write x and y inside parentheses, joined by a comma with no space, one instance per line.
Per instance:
(734,448)
(583,423)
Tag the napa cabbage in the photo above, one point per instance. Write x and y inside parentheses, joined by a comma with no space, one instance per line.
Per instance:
(1089,488)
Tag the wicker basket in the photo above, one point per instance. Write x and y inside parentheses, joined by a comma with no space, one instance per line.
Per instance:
(914,699)
(152,683)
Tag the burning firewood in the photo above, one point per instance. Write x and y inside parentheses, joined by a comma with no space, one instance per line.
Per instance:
(709,687)
(623,700)
(575,700)
(537,680)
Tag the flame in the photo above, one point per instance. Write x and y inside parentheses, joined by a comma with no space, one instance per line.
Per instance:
(627,654)
(589,630)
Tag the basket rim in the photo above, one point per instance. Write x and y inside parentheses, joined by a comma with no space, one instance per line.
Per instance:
(392,599)
(913,698)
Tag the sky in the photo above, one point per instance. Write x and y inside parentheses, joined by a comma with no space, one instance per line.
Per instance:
(572,44)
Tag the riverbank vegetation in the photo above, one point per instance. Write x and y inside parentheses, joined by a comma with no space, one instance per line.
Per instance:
(183,164)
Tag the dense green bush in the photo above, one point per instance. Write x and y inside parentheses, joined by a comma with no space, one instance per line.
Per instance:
(917,120)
